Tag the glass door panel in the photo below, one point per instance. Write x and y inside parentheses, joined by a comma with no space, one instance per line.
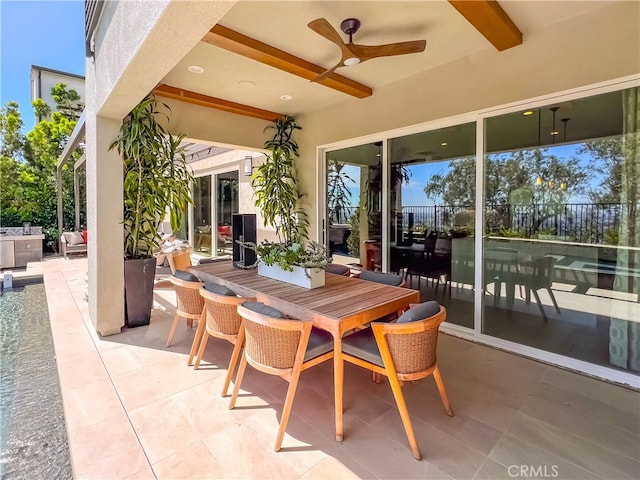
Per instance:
(432,214)
(226,206)
(354,205)
(562,230)
(202,242)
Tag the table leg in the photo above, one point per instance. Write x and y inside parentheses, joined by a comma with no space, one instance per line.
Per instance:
(338,380)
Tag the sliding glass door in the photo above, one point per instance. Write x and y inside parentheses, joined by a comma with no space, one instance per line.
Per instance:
(215,201)
(202,242)
(353,225)
(431,187)
(535,247)
(226,206)
(561,244)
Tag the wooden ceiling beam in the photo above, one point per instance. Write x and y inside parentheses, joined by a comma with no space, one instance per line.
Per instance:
(488,17)
(232,41)
(195,98)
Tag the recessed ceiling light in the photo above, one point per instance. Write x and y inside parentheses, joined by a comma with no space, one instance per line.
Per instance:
(528,112)
(352,61)
(444,144)
(246,84)
(195,69)
(286,98)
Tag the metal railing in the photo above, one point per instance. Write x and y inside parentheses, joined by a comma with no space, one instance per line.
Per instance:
(594,223)
(92,11)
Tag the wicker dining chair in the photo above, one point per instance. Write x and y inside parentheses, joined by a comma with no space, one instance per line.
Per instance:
(279,346)
(402,351)
(222,321)
(189,303)
(388,279)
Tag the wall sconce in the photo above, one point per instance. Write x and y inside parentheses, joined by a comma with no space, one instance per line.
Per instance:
(248,165)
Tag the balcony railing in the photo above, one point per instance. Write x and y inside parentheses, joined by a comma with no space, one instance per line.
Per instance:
(92,11)
(594,223)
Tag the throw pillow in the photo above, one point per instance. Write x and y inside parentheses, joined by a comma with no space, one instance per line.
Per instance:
(73,238)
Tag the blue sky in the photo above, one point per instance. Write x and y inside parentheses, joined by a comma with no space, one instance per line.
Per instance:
(48,34)
(413,193)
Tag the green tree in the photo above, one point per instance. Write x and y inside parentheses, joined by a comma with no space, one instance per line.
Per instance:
(537,183)
(68,102)
(338,193)
(12,140)
(608,161)
(28,167)
(457,186)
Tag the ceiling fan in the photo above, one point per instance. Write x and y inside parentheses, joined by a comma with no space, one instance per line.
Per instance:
(352,54)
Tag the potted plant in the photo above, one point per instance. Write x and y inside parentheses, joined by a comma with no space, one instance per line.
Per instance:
(157,179)
(277,197)
(291,263)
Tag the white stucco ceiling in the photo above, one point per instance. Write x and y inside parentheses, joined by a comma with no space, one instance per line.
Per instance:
(284,25)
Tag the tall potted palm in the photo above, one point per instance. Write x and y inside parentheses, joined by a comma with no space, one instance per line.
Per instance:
(156,180)
(275,184)
(276,195)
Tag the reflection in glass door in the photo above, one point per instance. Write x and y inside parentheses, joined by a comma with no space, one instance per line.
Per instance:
(432,216)
(354,205)
(226,206)
(202,216)
(562,242)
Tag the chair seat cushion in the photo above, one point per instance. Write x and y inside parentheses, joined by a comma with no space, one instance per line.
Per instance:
(260,307)
(219,289)
(186,276)
(379,277)
(320,342)
(337,269)
(420,312)
(204,261)
(362,344)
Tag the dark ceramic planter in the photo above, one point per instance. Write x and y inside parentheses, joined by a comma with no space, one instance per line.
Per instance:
(139,275)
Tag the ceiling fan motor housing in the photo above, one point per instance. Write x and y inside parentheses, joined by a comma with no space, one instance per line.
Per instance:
(350,26)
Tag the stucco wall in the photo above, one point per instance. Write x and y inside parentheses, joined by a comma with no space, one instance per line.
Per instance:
(222,128)
(139,46)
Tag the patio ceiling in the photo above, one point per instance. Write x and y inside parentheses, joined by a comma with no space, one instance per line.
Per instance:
(234,82)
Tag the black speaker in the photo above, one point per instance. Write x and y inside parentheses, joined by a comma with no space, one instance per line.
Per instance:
(244,230)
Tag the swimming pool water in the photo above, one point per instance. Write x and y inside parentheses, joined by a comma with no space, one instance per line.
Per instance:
(33,439)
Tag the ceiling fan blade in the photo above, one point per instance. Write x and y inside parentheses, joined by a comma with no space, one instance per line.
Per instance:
(322,27)
(366,52)
(326,73)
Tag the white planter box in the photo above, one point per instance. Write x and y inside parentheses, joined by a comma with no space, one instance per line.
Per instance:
(303,277)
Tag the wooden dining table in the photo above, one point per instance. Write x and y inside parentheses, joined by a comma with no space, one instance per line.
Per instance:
(341,305)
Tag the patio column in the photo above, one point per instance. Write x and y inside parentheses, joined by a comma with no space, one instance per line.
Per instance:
(104,223)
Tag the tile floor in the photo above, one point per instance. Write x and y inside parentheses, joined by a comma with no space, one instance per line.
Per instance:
(135,410)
